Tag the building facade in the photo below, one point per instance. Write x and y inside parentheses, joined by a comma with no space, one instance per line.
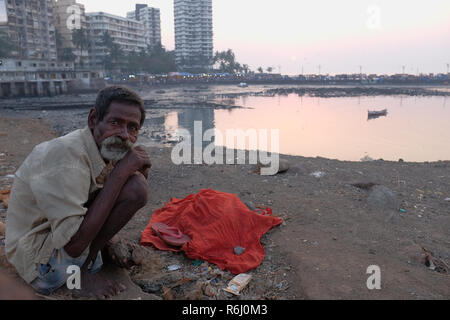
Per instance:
(21,77)
(31,27)
(70,19)
(193,34)
(128,33)
(151,18)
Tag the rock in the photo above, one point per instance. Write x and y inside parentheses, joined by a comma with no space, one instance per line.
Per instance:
(283,166)
(250,205)
(2,229)
(149,286)
(120,253)
(138,255)
(239,250)
(381,197)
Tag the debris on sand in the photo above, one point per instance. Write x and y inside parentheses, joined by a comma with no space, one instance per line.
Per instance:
(238,283)
(435,264)
(2,229)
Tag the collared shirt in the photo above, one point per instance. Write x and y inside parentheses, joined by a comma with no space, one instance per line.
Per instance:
(46,207)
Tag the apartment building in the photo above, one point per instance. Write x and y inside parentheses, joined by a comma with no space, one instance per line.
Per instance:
(70,16)
(193,33)
(151,18)
(31,27)
(128,33)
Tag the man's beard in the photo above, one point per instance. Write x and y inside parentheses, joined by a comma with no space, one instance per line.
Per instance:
(114,148)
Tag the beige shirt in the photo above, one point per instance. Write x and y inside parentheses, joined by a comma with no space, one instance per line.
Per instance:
(47,198)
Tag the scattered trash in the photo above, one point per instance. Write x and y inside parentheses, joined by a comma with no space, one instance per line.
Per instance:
(238,283)
(209,290)
(167,293)
(197,263)
(447,199)
(2,229)
(434,263)
(318,174)
(402,210)
(239,250)
(174,267)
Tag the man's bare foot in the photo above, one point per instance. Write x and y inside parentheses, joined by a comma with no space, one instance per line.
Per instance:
(97,286)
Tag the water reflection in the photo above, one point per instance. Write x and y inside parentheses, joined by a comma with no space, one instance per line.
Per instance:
(417,128)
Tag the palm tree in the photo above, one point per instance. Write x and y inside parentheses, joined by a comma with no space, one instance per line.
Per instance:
(81,42)
(6,46)
(115,53)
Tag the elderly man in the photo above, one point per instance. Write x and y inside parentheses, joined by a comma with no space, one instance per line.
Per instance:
(74,193)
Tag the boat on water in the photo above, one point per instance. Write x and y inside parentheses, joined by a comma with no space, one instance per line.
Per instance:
(376,114)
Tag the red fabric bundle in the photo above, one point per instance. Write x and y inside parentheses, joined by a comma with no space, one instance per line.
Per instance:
(216,222)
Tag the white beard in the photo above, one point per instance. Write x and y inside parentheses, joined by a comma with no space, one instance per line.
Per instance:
(113,153)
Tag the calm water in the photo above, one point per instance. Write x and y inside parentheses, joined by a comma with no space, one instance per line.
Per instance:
(415,129)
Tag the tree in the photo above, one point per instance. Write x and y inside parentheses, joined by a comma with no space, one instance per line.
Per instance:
(225,61)
(269,69)
(114,57)
(67,55)
(81,42)
(261,70)
(6,45)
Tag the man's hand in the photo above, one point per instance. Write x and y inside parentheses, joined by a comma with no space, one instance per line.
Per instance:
(136,159)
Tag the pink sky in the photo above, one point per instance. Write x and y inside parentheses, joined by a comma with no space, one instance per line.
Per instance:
(380,35)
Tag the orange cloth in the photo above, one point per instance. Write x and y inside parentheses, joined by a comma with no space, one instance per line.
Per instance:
(216,222)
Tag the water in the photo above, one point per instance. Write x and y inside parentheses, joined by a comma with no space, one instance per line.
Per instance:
(415,129)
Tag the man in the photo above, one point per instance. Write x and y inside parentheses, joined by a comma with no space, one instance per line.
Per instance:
(74,193)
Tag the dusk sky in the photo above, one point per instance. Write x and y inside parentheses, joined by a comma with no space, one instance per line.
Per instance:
(382,36)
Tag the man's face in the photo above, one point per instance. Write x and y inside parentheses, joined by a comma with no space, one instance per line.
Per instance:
(116,134)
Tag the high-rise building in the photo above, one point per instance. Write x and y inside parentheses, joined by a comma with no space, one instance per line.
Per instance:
(151,18)
(193,34)
(70,19)
(31,27)
(125,32)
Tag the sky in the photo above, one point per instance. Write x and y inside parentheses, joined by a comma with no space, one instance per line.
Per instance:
(340,36)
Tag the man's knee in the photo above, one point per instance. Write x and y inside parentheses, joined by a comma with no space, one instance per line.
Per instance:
(135,190)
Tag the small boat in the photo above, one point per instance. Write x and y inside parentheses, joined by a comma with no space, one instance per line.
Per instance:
(376,114)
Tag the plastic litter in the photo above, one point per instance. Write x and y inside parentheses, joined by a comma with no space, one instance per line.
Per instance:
(174,267)
(238,283)
(197,263)
(318,174)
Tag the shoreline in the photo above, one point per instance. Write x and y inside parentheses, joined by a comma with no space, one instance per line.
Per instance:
(335,224)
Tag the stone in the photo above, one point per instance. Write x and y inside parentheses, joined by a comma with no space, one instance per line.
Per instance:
(283,166)
(239,250)
(250,205)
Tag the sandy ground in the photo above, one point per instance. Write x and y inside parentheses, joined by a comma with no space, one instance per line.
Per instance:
(332,231)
